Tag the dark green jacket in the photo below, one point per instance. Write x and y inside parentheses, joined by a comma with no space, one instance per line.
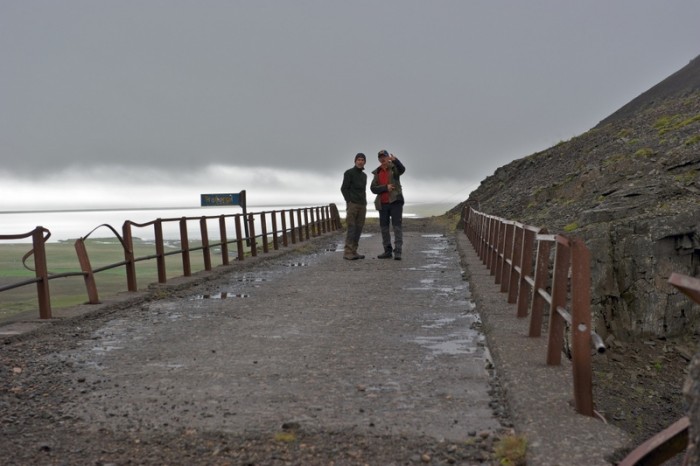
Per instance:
(354,187)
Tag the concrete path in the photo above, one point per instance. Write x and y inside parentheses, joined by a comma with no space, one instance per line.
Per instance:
(369,348)
(382,345)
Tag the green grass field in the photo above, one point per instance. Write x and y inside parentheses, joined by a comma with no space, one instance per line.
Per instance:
(69,291)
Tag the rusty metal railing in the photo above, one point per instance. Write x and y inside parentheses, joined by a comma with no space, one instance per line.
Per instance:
(39,237)
(673,440)
(304,223)
(518,256)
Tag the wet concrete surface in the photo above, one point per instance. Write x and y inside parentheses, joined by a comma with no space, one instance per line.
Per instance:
(379,346)
(345,351)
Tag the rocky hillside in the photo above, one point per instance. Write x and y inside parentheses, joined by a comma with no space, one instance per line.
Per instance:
(631,188)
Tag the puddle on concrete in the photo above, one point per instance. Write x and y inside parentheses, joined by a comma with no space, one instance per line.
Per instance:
(467,339)
(468,305)
(441,290)
(222,295)
(434,266)
(439,323)
(384,388)
(106,348)
(451,347)
(249,279)
(169,365)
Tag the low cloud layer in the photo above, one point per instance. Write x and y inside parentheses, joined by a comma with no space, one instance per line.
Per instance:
(105,103)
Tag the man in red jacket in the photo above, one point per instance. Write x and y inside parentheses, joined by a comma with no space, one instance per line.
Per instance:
(386,184)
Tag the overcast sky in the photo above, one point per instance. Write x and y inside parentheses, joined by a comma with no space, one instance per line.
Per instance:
(150,103)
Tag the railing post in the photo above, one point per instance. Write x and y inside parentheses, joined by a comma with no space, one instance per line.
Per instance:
(507,257)
(324,220)
(488,237)
(88,274)
(275,240)
(317,220)
(292,228)
(516,265)
(555,342)
(486,243)
(489,240)
(129,257)
(301,226)
(581,326)
(335,217)
(313,222)
(239,237)
(496,225)
(206,252)
(185,247)
(253,240)
(263,232)
(498,253)
(481,231)
(306,222)
(525,271)
(160,251)
(540,282)
(42,273)
(224,240)
(284,228)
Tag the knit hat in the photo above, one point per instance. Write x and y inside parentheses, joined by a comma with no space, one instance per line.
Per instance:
(360,155)
(382,153)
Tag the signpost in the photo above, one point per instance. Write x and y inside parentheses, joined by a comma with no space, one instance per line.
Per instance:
(227,199)
(217,200)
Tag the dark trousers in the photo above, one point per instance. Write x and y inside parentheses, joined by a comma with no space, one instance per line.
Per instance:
(391,215)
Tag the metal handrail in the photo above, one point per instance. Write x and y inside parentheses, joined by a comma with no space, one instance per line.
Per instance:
(572,267)
(518,255)
(310,222)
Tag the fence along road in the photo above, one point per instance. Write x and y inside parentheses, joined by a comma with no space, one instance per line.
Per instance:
(370,347)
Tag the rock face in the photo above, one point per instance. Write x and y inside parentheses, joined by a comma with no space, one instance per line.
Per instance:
(631,188)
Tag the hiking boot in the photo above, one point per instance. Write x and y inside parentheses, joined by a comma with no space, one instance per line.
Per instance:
(397,256)
(385,255)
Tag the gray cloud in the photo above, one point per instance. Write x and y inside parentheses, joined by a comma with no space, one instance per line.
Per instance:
(454,88)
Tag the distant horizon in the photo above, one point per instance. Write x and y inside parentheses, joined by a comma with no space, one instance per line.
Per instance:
(71,224)
(122,209)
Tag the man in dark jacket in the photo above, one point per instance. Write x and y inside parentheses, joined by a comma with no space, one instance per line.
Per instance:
(354,189)
(386,184)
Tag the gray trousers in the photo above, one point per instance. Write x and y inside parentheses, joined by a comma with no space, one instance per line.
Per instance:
(390,216)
